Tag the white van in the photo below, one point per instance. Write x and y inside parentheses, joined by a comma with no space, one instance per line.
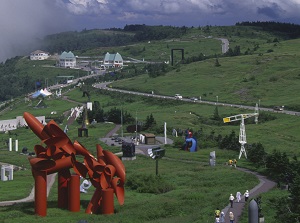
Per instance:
(178,96)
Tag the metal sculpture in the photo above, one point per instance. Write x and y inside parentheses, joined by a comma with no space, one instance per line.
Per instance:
(242,136)
(106,171)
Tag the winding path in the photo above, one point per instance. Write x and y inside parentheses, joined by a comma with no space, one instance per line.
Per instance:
(237,209)
(30,197)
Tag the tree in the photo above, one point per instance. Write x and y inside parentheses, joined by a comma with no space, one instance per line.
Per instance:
(295,196)
(230,142)
(287,208)
(150,122)
(216,115)
(256,154)
(217,64)
(277,165)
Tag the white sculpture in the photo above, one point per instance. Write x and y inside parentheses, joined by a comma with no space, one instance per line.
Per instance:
(85,185)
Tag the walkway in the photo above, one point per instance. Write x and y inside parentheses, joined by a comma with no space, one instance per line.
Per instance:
(50,181)
(264,186)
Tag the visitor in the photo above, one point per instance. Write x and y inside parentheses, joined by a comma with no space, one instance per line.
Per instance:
(222,217)
(231,217)
(238,196)
(246,194)
(231,198)
(234,163)
(217,213)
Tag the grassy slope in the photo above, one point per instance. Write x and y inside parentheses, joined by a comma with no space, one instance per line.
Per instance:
(280,133)
(273,78)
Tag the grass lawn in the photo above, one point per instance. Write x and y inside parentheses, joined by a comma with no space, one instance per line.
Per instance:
(195,190)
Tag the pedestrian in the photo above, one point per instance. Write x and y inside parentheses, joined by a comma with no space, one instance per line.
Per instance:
(222,217)
(217,213)
(231,198)
(238,196)
(231,217)
(246,194)
(217,220)
(234,163)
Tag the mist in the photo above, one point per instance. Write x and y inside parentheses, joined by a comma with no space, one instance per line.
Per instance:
(24,22)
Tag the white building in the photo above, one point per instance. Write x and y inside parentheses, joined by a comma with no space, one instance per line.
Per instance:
(19,121)
(39,55)
(67,60)
(113,60)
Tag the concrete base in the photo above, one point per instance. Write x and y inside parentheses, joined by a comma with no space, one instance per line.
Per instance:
(129,158)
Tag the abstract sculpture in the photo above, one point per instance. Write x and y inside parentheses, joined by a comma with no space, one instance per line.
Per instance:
(106,172)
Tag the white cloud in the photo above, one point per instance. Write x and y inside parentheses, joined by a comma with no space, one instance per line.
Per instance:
(22,22)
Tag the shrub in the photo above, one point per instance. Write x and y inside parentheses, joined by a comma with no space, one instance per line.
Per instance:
(148,184)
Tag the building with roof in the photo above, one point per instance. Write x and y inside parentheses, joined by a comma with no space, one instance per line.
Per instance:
(113,60)
(67,59)
(39,55)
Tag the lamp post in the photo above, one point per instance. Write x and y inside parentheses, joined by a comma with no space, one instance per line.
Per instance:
(136,126)
(217,99)
(46,82)
(122,122)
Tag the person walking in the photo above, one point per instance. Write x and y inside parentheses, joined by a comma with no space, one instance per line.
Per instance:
(238,196)
(231,217)
(246,194)
(231,199)
(222,217)
(217,213)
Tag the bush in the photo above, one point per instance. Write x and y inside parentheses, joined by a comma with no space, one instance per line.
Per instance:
(148,184)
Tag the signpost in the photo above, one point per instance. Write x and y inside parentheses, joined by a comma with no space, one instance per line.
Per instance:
(156,153)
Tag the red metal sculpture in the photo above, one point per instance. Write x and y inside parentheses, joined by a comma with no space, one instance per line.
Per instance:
(106,172)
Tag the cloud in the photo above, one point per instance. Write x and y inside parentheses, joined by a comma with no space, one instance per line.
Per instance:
(273,11)
(22,22)
(188,12)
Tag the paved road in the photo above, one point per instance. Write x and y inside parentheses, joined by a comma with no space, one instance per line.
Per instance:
(264,186)
(30,197)
(105,84)
(225,44)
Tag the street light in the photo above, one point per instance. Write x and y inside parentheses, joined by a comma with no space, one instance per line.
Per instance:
(136,126)
(122,122)
(217,99)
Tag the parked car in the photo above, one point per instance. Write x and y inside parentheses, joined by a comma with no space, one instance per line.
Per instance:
(278,108)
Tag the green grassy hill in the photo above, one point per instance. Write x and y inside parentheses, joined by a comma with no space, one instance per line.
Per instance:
(272,78)
(267,74)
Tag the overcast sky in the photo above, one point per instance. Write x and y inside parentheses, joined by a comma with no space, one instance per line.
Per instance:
(117,13)
(23,20)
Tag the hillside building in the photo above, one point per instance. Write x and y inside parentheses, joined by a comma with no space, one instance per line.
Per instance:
(39,55)
(113,60)
(67,60)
